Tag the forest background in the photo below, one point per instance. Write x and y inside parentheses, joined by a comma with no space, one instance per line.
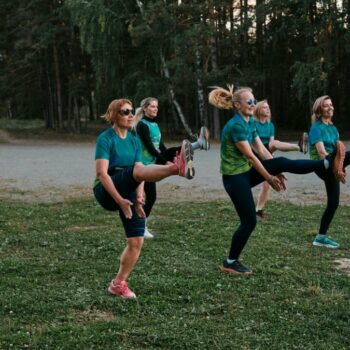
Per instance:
(63,61)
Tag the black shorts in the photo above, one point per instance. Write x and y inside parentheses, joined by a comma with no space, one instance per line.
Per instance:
(126,185)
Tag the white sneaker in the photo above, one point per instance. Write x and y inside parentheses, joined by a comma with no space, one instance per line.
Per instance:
(203,138)
(147,234)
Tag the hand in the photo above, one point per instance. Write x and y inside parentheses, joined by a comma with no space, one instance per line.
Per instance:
(283,180)
(342,176)
(125,206)
(140,199)
(275,183)
(139,210)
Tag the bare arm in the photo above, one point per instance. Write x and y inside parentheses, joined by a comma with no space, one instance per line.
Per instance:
(260,149)
(321,150)
(246,150)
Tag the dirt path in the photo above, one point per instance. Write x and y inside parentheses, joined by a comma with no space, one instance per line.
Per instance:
(56,171)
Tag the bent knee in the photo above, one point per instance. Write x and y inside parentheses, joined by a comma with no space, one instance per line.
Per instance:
(137,172)
(135,243)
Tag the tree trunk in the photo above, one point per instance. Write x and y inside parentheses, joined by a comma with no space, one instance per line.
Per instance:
(173,99)
(200,93)
(58,88)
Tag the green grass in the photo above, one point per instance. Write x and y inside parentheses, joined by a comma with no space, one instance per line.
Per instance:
(57,260)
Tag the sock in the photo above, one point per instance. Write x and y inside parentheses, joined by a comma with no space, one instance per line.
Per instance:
(195,145)
(326,163)
(230,261)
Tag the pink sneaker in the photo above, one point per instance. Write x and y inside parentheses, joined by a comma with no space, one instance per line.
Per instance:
(121,290)
(184,160)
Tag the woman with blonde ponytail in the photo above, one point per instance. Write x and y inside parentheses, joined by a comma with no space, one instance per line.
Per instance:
(324,141)
(242,169)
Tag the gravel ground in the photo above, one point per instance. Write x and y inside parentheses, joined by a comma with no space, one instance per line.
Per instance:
(57,171)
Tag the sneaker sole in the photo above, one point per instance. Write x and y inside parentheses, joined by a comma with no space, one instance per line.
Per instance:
(234,272)
(118,295)
(188,154)
(305,142)
(316,244)
(339,160)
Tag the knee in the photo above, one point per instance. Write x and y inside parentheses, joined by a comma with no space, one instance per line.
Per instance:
(135,243)
(137,172)
(249,225)
(333,204)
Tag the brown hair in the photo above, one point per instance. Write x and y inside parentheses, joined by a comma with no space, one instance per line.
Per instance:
(258,108)
(317,108)
(225,98)
(114,109)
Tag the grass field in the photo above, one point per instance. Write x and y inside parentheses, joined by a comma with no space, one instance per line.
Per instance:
(57,260)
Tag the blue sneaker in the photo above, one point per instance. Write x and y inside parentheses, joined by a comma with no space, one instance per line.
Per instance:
(236,268)
(324,241)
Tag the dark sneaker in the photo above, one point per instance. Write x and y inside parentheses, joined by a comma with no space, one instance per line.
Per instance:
(338,162)
(235,268)
(261,214)
(184,160)
(304,143)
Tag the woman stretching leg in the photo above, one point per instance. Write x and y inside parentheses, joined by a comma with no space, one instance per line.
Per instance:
(242,169)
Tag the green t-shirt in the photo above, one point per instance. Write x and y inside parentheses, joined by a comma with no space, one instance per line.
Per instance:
(233,162)
(120,152)
(321,132)
(265,131)
(155,135)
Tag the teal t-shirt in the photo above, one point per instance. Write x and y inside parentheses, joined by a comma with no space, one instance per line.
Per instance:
(120,152)
(265,130)
(155,135)
(233,162)
(321,132)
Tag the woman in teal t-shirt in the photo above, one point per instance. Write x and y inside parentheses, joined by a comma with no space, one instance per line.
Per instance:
(119,183)
(241,169)
(266,132)
(323,141)
(153,150)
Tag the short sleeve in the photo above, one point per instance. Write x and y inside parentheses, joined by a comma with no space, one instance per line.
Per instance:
(239,133)
(315,135)
(102,149)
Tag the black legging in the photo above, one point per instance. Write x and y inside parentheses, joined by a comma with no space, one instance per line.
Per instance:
(239,187)
(150,188)
(333,192)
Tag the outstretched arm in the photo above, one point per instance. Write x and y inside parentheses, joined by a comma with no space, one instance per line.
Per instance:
(246,150)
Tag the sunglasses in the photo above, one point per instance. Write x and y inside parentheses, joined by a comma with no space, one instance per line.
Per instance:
(126,112)
(251,101)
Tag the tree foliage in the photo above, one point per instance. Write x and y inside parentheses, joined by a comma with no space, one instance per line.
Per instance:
(65,61)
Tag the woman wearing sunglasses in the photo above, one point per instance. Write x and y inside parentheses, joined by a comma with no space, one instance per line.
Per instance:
(119,183)
(323,141)
(266,132)
(241,169)
(153,150)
